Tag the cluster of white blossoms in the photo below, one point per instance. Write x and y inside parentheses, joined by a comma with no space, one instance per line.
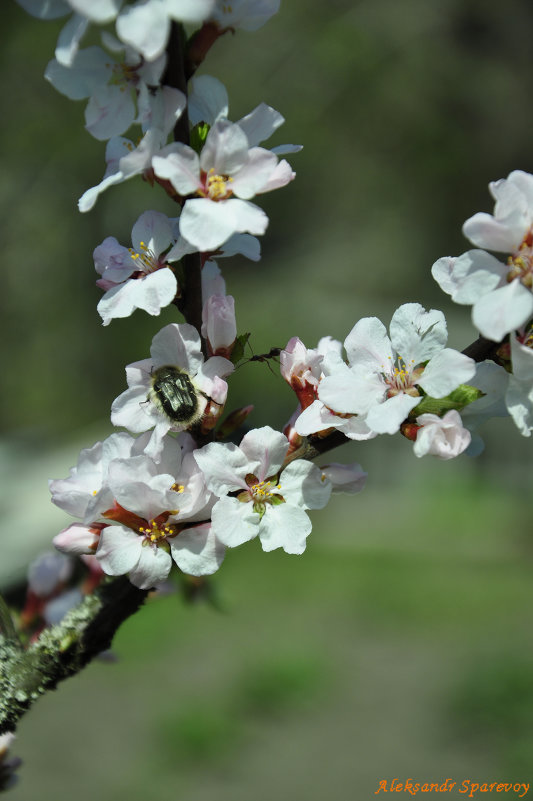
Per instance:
(183,483)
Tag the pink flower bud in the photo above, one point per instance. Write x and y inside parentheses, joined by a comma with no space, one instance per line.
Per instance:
(219,326)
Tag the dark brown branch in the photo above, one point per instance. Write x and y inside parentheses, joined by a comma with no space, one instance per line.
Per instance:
(62,650)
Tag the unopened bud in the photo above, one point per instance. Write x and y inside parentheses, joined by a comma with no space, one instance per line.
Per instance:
(233,421)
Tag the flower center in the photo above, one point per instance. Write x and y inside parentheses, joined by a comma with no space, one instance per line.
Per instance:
(156,533)
(401,378)
(123,74)
(145,260)
(521,263)
(215,186)
(261,493)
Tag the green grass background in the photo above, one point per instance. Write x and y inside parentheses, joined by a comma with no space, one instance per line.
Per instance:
(399,645)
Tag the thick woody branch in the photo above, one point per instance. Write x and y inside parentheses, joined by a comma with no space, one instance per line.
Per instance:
(64,649)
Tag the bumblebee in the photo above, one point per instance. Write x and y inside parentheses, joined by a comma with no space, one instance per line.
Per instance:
(175,395)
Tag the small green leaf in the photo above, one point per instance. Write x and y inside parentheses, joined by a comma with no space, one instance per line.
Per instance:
(238,348)
(458,399)
(199,135)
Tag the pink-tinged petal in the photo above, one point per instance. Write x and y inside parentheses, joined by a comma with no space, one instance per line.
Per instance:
(224,467)
(284,526)
(110,112)
(504,236)
(145,26)
(254,175)
(77,539)
(119,550)
(152,568)
(69,39)
(154,230)
(208,100)
(179,164)
(445,371)
(302,484)
(260,124)
(504,310)
(209,378)
(416,334)
(113,260)
(347,478)
(386,417)
(87,72)
(178,344)
(348,391)
(197,551)
(233,522)
(468,276)
(225,150)
(367,345)
(280,176)
(443,437)
(208,224)
(267,448)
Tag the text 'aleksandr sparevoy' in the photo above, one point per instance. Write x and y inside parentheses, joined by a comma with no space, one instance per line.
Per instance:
(467,786)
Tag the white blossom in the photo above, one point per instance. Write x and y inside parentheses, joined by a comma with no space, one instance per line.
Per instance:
(378,387)
(139,408)
(138,277)
(219,184)
(263,501)
(500,293)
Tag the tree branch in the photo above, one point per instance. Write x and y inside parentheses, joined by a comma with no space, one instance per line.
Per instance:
(64,649)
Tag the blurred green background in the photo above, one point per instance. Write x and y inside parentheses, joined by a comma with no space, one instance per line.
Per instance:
(399,645)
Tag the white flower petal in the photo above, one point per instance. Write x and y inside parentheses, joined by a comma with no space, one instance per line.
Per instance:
(468,276)
(267,448)
(416,334)
(152,568)
(197,551)
(302,484)
(224,467)
(233,522)
(284,526)
(386,417)
(208,100)
(208,224)
(445,371)
(260,124)
(504,310)
(119,550)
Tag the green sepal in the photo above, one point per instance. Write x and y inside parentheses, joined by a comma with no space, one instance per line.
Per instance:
(238,348)
(259,508)
(458,399)
(276,500)
(199,135)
